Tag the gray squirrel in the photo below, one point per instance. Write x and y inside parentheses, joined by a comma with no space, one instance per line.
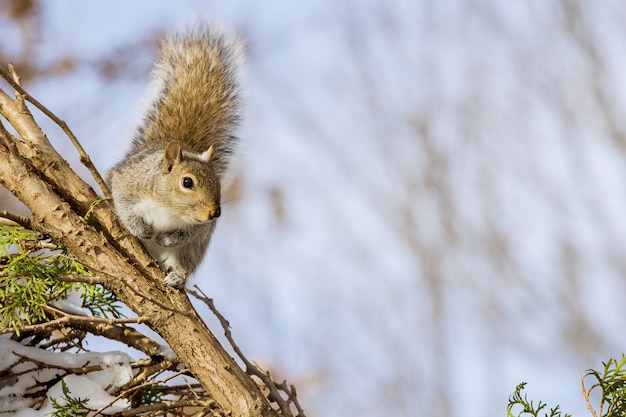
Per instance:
(167,188)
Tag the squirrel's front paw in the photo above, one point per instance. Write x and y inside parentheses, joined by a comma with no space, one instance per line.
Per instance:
(168,239)
(139,228)
(174,279)
(145,233)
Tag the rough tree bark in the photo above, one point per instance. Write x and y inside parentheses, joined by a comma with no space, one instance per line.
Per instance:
(61,202)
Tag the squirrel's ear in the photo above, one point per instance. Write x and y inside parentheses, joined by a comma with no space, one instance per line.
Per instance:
(207,155)
(173,155)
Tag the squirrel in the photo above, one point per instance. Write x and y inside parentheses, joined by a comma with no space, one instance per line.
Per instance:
(166,189)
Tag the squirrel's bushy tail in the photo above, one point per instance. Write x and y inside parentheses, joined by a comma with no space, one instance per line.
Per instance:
(197,99)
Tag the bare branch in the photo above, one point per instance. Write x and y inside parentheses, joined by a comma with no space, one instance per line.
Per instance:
(586,394)
(252,369)
(129,391)
(70,320)
(146,373)
(84,157)
(127,335)
(10,219)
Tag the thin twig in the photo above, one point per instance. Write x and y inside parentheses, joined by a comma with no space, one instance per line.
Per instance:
(92,206)
(67,320)
(148,371)
(83,370)
(10,219)
(135,388)
(84,157)
(586,394)
(14,75)
(19,97)
(252,369)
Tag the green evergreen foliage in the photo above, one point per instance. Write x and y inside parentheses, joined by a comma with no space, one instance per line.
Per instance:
(71,407)
(29,268)
(610,385)
(524,407)
(100,301)
(151,394)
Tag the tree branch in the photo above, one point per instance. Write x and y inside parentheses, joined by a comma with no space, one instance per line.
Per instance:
(586,395)
(13,79)
(10,219)
(54,169)
(168,405)
(127,335)
(59,200)
(146,373)
(73,321)
(135,388)
(251,369)
(87,279)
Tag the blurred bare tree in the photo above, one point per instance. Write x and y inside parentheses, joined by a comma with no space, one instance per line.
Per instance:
(487,139)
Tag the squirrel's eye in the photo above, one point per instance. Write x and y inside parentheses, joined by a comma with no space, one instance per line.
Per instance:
(187,182)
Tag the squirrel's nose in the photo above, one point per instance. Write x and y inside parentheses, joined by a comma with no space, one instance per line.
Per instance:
(215,213)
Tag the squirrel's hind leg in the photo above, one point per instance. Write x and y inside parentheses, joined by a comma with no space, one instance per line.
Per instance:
(170,261)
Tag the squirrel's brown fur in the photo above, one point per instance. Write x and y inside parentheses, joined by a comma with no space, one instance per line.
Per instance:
(198,100)
(166,190)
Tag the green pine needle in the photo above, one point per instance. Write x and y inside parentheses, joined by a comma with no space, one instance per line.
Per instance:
(72,407)
(610,382)
(28,280)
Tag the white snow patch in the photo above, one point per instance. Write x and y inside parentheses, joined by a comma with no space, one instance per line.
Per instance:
(72,304)
(83,387)
(166,352)
(116,372)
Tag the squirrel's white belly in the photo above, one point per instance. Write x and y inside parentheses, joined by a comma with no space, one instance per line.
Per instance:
(161,218)
(167,257)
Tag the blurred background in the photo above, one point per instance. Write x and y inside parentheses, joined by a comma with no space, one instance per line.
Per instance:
(431,194)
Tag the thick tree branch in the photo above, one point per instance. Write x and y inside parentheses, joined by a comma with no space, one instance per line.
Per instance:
(59,200)
(35,148)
